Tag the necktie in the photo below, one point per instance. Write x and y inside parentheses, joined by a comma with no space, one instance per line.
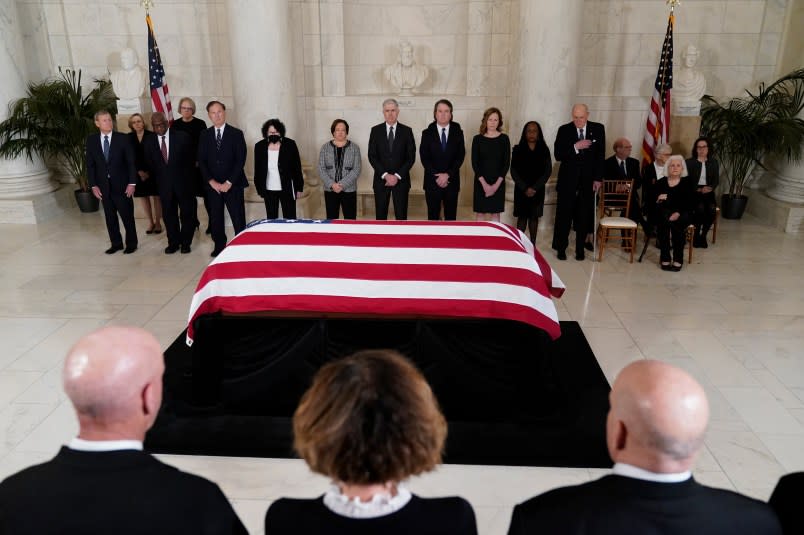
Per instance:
(106,148)
(444,139)
(164,150)
(391,139)
(622,168)
(580,134)
(218,138)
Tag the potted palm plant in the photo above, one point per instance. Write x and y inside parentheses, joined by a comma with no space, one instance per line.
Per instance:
(53,120)
(746,131)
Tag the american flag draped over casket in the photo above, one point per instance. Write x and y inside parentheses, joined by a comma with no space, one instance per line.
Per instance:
(381,269)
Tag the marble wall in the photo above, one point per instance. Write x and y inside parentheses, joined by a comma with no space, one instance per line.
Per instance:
(340,48)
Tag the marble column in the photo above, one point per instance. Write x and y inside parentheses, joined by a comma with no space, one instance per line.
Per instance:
(548,51)
(20,178)
(262,65)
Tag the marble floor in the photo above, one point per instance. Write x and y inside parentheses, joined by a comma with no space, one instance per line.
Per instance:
(734,319)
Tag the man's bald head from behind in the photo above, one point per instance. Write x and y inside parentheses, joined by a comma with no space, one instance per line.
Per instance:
(658,417)
(113,377)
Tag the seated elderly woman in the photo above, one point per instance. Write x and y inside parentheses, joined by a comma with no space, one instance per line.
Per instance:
(674,199)
(370,421)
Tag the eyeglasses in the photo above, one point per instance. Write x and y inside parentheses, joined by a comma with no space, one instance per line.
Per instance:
(702,147)
(185,108)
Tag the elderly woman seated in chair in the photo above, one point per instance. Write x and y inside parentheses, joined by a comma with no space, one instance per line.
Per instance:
(674,201)
(370,421)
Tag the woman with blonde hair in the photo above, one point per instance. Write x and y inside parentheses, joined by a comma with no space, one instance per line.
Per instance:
(146,186)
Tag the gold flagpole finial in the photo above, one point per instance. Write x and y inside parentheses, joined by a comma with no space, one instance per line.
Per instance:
(671,3)
(147,4)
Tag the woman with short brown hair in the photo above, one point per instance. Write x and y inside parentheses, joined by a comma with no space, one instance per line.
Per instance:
(370,421)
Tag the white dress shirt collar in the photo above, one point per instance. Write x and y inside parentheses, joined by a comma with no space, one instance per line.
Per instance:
(439,128)
(102,135)
(389,126)
(221,128)
(634,472)
(79,444)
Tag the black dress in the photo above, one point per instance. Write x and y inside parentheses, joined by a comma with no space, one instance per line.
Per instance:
(491,158)
(193,129)
(145,188)
(530,169)
(673,233)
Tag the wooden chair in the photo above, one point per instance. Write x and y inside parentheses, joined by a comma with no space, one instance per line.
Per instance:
(691,234)
(615,196)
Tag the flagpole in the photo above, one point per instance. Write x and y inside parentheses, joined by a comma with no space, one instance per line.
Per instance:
(147,4)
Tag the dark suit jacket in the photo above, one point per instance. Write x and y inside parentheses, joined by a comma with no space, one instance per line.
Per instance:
(620,505)
(226,163)
(712,171)
(179,171)
(434,160)
(581,169)
(111,178)
(384,161)
(786,500)
(121,492)
(612,171)
(290,170)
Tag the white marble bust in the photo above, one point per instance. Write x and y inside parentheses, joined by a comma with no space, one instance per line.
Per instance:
(129,81)
(689,84)
(406,74)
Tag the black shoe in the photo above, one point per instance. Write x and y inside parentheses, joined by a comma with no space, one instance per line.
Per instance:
(676,266)
(562,255)
(665,267)
(113,249)
(704,245)
(588,246)
(215,252)
(580,256)
(170,249)
(185,249)
(129,249)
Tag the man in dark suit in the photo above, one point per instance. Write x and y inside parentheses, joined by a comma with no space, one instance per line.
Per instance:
(654,431)
(102,482)
(786,500)
(391,152)
(170,159)
(580,147)
(622,167)
(112,175)
(442,152)
(221,157)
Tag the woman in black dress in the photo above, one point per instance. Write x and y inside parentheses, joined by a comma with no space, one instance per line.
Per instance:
(531,166)
(704,173)
(491,157)
(193,126)
(674,198)
(146,186)
(368,422)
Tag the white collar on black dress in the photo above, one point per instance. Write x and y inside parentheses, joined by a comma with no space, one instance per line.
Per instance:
(380,504)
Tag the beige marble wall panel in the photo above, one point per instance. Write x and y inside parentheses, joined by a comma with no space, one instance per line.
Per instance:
(311,18)
(769,49)
(729,49)
(479,13)
(774,15)
(744,16)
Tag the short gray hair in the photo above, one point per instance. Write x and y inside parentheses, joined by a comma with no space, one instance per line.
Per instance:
(663,147)
(100,113)
(390,101)
(683,164)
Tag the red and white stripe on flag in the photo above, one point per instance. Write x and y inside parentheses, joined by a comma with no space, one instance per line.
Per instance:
(407,269)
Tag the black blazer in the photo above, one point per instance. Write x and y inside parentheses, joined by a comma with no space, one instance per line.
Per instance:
(111,178)
(786,501)
(122,492)
(612,171)
(177,174)
(226,163)
(712,172)
(290,170)
(620,505)
(434,160)
(384,161)
(581,169)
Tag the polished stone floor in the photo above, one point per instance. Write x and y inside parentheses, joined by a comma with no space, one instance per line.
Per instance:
(734,319)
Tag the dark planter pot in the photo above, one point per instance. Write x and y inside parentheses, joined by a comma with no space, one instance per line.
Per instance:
(732,207)
(87,202)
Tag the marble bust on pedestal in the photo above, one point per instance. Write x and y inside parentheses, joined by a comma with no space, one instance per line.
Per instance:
(128,82)
(406,74)
(689,84)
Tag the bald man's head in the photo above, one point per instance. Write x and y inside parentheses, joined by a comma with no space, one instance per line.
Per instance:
(113,377)
(580,114)
(658,417)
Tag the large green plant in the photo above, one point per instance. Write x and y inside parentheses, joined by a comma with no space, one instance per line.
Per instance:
(748,130)
(54,119)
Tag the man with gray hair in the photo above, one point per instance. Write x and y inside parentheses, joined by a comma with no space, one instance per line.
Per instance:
(654,431)
(102,482)
(391,152)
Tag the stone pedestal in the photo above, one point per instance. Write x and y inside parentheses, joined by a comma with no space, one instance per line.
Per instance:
(684,130)
(783,215)
(787,183)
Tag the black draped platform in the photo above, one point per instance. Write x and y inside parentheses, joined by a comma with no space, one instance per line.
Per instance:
(510,394)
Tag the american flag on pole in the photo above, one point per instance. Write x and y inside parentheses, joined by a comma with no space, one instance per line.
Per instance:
(402,269)
(160,96)
(657,129)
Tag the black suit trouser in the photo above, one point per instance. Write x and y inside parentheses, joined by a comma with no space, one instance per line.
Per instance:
(345,200)
(234,202)
(272,201)
(671,234)
(573,208)
(124,206)
(400,198)
(179,214)
(435,197)
(704,215)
